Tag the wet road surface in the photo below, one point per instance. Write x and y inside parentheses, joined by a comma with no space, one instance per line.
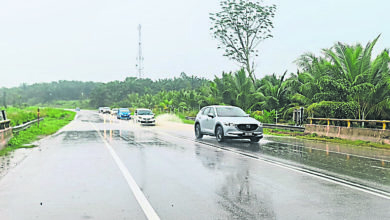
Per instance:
(97,168)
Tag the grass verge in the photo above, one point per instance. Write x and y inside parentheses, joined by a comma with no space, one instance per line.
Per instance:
(301,135)
(184,120)
(55,119)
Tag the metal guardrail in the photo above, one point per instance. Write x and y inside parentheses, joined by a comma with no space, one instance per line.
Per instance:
(190,118)
(285,127)
(383,122)
(25,125)
(272,126)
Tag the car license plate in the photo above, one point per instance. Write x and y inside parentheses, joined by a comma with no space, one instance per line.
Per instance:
(248,134)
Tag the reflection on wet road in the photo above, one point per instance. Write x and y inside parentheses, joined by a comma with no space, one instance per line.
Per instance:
(74,176)
(370,171)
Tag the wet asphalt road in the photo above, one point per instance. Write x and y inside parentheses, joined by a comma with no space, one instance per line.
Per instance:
(102,169)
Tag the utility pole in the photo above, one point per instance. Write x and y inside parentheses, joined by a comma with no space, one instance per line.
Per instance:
(140,58)
(276,117)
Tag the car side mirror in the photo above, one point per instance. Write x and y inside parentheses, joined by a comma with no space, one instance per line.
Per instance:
(210,115)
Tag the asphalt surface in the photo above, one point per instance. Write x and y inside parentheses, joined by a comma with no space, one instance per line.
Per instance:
(103,168)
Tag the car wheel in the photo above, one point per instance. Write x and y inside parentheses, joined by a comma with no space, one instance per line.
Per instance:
(255,139)
(219,134)
(198,133)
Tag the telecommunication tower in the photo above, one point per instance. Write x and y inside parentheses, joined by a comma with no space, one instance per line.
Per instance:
(140,58)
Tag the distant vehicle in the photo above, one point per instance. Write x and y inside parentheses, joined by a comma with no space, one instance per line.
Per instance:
(100,110)
(77,109)
(144,116)
(123,113)
(114,111)
(106,110)
(225,122)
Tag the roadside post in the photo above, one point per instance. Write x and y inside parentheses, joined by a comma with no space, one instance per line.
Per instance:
(3,115)
(276,117)
(38,116)
(301,116)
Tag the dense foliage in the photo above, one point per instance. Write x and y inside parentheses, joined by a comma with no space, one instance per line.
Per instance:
(39,93)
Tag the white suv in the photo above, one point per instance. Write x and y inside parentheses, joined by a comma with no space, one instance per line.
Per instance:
(227,122)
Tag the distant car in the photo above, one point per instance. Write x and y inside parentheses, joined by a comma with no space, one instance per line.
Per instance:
(123,113)
(100,110)
(227,122)
(114,111)
(144,116)
(106,110)
(77,109)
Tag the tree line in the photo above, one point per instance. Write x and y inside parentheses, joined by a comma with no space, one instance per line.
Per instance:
(344,81)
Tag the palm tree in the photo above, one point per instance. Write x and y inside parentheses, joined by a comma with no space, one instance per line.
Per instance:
(367,80)
(275,90)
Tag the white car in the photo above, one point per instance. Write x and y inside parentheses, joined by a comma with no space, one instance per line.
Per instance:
(144,116)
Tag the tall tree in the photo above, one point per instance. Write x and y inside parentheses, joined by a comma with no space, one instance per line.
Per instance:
(239,27)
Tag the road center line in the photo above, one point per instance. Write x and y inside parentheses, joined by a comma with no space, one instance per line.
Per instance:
(318,175)
(140,197)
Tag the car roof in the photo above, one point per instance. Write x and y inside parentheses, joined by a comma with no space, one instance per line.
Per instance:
(220,106)
(143,109)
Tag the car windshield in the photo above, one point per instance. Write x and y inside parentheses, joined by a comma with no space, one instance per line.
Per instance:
(144,112)
(124,110)
(230,112)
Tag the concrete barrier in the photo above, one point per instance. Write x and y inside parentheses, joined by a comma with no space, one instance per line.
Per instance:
(351,133)
(5,135)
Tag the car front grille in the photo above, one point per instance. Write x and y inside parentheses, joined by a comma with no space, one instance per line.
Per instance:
(247,127)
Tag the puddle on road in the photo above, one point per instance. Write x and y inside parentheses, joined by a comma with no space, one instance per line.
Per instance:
(93,118)
(133,138)
(373,172)
(79,136)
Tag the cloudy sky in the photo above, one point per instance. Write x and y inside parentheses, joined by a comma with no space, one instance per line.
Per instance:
(96,40)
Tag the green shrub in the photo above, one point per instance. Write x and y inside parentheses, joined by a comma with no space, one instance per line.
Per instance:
(264,116)
(329,109)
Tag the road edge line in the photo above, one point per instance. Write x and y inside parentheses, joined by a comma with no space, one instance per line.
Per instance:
(138,194)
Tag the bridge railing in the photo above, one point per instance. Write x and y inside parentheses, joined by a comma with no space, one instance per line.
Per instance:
(328,120)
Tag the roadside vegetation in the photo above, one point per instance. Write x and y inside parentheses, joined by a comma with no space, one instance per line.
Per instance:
(54,119)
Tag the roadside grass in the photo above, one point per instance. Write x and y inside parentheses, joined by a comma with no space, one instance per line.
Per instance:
(315,137)
(184,120)
(54,120)
(19,116)
(69,104)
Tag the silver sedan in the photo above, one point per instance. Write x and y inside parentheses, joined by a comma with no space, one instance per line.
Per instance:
(225,122)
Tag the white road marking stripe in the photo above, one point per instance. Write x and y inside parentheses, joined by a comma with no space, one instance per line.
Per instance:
(142,201)
(325,177)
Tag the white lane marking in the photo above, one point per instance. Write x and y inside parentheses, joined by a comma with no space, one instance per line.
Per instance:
(325,177)
(142,201)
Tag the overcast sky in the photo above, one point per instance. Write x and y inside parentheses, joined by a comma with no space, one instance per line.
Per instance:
(96,40)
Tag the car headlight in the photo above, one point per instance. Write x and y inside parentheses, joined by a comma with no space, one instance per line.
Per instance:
(229,124)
